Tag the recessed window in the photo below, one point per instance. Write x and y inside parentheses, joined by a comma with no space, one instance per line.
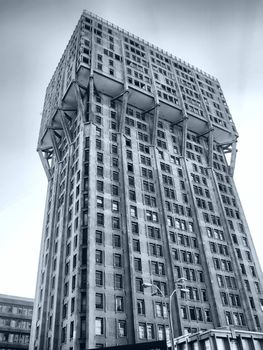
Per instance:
(100,186)
(140,307)
(99,326)
(133,211)
(100,171)
(137,264)
(142,330)
(119,304)
(115,206)
(136,245)
(99,237)
(130,167)
(139,284)
(117,260)
(99,301)
(115,162)
(99,256)
(99,278)
(115,223)
(118,281)
(116,241)
(100,219)
(122,328)
(100,202)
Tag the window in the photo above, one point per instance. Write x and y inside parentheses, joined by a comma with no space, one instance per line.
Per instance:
(115,176)
(150,331)
(98,109)
(142,330)
(199,315)
(113,116)
(99,157)
(100,171)
(99,301)
(140,307)
(115,206)
(99,278)
(99,237)
(139,284)
(99,326)
(133,211)
(115,190)
(115,223)
(136,245)
(118,283)
(65,310)
(149,200)
(115,162)
(207,316)
(122,328)
(116,241)
(117,260)
(100,202)
(129,154)
(119,303)
(161,332)
(114,149)
(100,186)
(72,305)
(98,119)
(137,264)
(253,271)
(64,334)
(257,286)
(154,232)
(132,195)
(228,318)
(130,167)
(220,281)
(158,309)
(98,144)
(151,216)
(131,181)
(135,227)
(99,256)
(100,219)
(184,312)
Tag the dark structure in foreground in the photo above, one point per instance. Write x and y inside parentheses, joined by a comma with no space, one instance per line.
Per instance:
(15,321)
(135,144)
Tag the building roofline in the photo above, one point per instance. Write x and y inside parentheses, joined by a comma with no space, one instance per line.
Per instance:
(9,298)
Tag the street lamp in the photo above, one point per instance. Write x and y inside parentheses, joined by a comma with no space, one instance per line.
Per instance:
(170,319)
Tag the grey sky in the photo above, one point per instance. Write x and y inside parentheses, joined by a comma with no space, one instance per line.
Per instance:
(224,38)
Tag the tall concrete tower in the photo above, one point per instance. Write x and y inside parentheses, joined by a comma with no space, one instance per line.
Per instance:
(139,149)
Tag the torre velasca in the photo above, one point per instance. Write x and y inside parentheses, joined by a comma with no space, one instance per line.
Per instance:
(139,150)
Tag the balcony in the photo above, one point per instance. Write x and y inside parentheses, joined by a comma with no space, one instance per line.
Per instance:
(139,98)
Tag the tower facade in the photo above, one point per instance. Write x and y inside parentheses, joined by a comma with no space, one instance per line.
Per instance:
(139,149)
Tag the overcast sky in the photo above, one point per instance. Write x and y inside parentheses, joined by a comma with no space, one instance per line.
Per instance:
(223,38)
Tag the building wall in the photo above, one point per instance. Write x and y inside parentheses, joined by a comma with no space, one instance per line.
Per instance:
(134,145)
(15,322)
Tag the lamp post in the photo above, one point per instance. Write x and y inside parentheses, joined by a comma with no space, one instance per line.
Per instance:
(170,319)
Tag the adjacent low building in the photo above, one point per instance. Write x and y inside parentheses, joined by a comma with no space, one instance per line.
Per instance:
(221,339)
(15,322)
